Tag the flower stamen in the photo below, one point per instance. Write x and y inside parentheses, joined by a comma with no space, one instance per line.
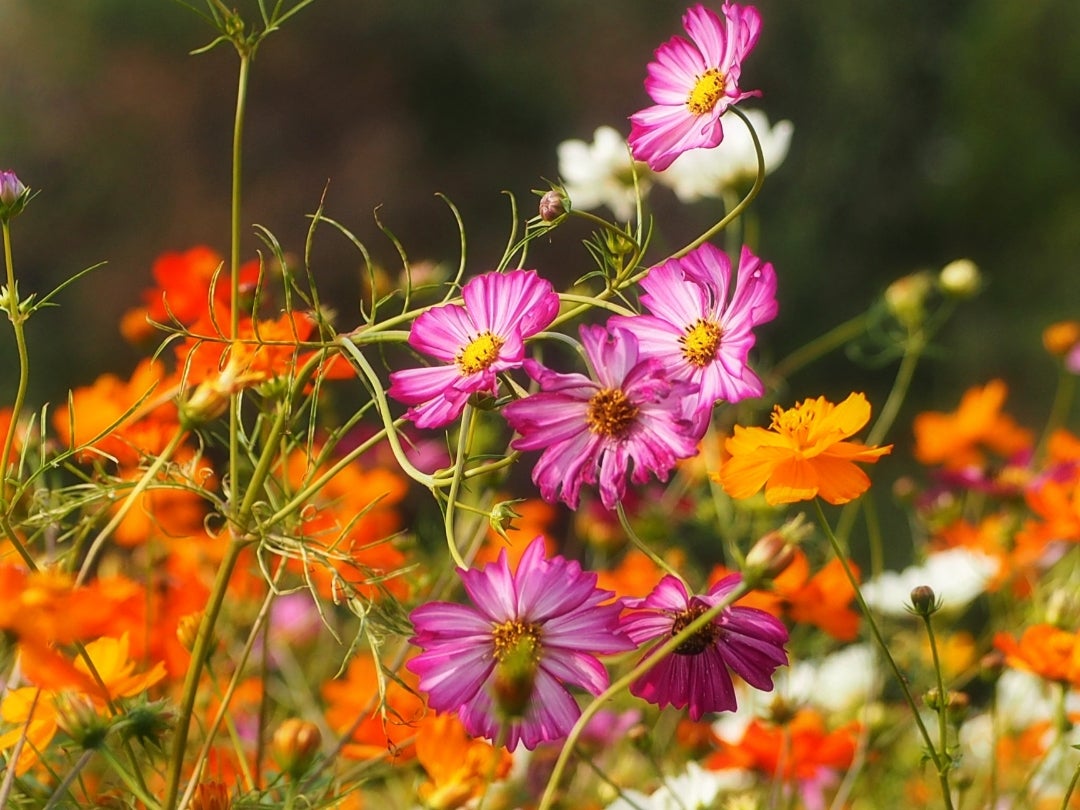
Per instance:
(481,352)
(700,342)
(706,92)
(611,414)
(516,636)
(700,641)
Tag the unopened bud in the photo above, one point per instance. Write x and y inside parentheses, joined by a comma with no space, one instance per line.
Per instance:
(905,298)
(770,556)
(187,630)
(552,206)
(502,517)
(295,744)
(960,279)
(1061,338)
(13,195)
(211,796)
(515,676)
(923,600)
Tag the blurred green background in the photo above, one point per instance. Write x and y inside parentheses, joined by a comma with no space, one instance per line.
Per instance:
(925,131)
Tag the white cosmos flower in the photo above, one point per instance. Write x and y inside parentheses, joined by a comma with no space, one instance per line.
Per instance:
(841,682)
(957,576)
(699,173)
(694,789)
(601,173)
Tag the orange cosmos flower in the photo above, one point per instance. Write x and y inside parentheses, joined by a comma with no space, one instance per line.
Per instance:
(803,454)
(957,440)
(458,768)
(33,713)
(1044,650)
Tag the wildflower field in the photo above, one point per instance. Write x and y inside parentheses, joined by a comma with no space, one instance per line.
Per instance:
(510,535)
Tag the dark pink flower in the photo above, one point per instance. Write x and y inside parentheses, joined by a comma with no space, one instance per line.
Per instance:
(693,83)
(531,632)
(702,326)
(743,639)
(590,430)
(476,342)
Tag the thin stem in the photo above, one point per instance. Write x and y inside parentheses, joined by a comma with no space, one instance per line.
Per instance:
(18,319)
(234,267)
(464,431)
(880,639)
(820,346)
(70,777)
(1059,410)
(942,707)
(641,546)
(132,498)
(913,351)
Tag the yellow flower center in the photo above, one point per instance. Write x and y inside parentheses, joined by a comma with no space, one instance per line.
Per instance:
(480,353)
(700,641)
(701,342)
(796,422)
(707,91)
(516,636)
(610,413)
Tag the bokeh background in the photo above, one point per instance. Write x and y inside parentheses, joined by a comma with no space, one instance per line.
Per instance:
(924,131)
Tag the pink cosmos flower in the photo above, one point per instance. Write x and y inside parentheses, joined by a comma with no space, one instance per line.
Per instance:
(530,634)
(475,341)
(700,328)
(746,640)
(594,428)
(693,83)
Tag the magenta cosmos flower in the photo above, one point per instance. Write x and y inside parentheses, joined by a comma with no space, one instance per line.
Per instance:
(693,83)
(591,430)
(475,341)
(529,635)
(701,328)
(746,640)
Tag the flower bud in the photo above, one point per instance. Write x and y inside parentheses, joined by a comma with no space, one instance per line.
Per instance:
(295,744)
(1061,338)
(515,676)
(960,279)
(13,195)
(923,600)
(211,796)
(769,557)
(502,517)
(187,630)
(552,206)
(905,298)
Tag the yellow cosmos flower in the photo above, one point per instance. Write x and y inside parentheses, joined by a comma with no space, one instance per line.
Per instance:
(802,455)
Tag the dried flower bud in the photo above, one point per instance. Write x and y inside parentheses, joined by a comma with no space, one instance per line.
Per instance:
(13,195)
(552,206)
(295,744)
(960,279)
(502,517)
(923,600)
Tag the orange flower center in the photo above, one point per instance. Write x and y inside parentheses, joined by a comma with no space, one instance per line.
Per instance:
(480,353)
(701,342)
(610,413)
(700,641)
(515,637)
(707,91)
(795,421)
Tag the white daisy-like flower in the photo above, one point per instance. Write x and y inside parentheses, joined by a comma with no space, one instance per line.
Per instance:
(700,173)
(601,173)
(956,575)
(840,683)
(694,789)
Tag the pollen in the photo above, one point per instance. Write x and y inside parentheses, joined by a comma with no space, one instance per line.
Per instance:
(700,641)
(700,342)
(611,414)
(514,635)
(795,421)
(707,91)
(480,353)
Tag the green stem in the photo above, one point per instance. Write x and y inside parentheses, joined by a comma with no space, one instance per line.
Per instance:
(70,777)
(464,431)
(880,639)
(641,546)
(651,659)
(942,707)
(18,318)
(1059,410)
(234,265)
(132,498)
(819,347)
